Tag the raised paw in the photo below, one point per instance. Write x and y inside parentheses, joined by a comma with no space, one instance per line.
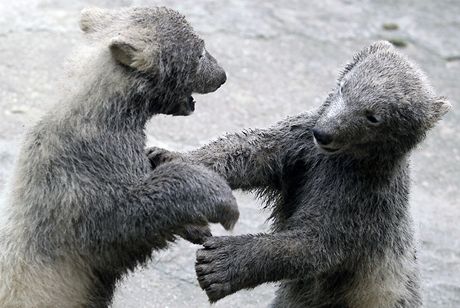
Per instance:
(158,156)
(217,267)
(229,213)
(195,234)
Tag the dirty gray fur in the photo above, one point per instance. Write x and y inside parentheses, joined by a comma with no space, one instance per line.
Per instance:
(342,233)
(86,206)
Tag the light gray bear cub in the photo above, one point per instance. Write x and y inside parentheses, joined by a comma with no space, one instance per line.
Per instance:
(86,206)
(337,180)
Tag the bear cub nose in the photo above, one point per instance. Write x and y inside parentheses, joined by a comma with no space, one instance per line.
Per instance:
(223,78)
(322,137)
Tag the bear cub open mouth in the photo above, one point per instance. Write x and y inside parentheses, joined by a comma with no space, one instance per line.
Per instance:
(191,103)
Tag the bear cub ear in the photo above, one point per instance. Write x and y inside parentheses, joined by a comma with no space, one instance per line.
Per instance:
(380,46)
(438,109)
(94,19)
(123,52)
(129,54)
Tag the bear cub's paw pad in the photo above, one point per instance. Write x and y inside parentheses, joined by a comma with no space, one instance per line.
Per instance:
(214,268)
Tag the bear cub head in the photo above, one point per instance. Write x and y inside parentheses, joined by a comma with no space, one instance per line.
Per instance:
(165,61)
(382,104)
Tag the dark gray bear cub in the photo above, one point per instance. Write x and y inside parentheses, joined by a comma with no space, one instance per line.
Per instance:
(337,180)
(86,206)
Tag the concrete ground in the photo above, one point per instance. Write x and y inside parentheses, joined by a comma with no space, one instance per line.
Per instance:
(282,57)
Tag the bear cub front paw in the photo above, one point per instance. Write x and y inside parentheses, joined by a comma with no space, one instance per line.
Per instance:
(158,156)
(218,271)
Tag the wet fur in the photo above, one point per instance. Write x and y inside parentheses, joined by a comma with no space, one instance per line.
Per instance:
(85,206)
(342,232)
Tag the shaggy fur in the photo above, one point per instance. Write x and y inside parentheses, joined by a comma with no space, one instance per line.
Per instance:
(86,206)
(337,180)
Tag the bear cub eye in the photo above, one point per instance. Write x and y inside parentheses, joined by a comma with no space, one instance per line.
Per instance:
(202,54)
(373,118)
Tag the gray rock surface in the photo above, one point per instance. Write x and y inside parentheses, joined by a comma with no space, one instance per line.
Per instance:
(281,57)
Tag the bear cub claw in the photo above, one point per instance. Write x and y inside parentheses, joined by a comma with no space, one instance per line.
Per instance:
(214,264)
